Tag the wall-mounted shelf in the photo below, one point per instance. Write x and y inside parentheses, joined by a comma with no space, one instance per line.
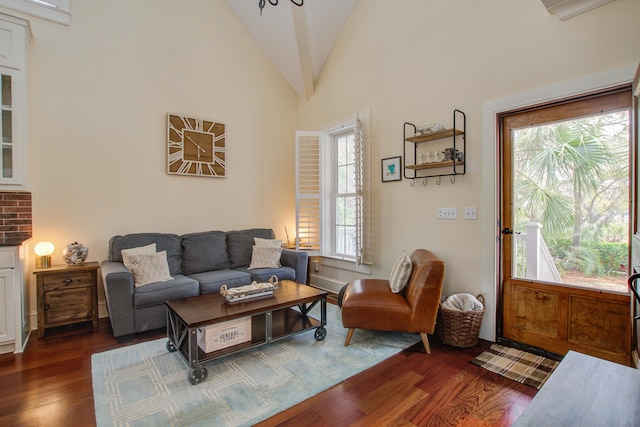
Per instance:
(434,165)
(434,135)
(457,135)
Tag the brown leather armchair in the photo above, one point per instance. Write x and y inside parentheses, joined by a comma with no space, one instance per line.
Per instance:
(370,304)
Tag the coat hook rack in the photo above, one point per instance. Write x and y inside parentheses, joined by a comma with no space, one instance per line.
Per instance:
(453,180)
(438,181)
(413,182)
(424,183)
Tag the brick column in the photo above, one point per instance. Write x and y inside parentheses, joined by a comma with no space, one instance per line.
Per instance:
(15,217)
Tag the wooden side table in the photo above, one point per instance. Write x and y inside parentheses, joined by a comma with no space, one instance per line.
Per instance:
(67,294)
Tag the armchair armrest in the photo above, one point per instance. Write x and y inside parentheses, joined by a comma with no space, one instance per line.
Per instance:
(118,289)
(298,260)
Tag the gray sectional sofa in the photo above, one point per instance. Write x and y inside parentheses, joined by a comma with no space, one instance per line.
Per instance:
(199,263)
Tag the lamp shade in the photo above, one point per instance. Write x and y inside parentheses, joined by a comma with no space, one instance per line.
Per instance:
(43,248)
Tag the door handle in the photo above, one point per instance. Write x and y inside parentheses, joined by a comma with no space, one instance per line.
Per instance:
(507,230)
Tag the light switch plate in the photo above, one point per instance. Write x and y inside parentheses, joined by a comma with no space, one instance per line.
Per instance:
(447,213)
(471,213)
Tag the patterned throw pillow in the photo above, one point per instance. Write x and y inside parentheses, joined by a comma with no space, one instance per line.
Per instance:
(142,250)
(150,268)
(265,257)
(272,243)
(400,273)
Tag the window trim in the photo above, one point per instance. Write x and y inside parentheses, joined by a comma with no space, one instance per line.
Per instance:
(313,177)
(53,10)
(328,190)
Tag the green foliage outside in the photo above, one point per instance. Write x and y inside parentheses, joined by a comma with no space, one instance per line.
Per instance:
(572,177)
(593,258)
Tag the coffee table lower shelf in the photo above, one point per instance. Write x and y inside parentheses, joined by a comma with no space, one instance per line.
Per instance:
(267,326)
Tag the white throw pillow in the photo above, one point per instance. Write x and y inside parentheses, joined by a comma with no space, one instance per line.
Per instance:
(400,273)
(267,242)
(150,268)
(141,250)
(265,257)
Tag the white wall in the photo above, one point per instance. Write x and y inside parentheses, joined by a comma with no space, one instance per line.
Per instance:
(416,61)
(100,90)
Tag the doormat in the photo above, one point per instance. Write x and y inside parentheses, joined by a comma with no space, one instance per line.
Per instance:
(517,365)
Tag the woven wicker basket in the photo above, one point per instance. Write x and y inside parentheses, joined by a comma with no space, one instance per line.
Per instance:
(459,328)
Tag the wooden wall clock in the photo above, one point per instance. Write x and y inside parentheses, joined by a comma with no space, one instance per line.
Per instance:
(195,146)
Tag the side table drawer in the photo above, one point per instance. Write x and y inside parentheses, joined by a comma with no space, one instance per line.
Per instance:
(62,281)
(67,305)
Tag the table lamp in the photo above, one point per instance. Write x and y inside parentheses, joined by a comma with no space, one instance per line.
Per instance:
(43,252)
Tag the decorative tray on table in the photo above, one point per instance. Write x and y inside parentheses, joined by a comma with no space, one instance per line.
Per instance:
(254,290)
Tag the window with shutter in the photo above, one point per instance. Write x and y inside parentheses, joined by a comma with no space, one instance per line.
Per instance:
(331,208)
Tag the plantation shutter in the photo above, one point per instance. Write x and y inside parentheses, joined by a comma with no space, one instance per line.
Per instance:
(308,202)
(359,178)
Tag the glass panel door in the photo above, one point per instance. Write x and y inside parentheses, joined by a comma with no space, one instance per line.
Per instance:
(571,201)
(6,119)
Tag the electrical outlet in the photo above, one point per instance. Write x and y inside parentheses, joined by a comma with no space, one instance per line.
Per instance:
(471,213)
(447,213)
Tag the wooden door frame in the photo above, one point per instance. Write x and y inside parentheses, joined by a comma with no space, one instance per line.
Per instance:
(489,246)
(561,331)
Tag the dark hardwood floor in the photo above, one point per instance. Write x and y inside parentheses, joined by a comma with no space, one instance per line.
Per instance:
(50,385)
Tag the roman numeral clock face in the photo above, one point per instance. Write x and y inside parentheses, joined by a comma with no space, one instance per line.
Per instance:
(195,147)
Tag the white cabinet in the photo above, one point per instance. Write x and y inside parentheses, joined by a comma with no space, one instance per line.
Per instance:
(14,37)
(14,319)
(7,301)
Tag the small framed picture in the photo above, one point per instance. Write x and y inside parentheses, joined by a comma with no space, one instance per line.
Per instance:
(391,169)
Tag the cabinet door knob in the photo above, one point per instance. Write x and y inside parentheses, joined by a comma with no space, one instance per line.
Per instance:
(67,281)
(46,306)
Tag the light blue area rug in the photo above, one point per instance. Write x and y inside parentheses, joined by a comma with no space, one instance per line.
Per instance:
(145,385)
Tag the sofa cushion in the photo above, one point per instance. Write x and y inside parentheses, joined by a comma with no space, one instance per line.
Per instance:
(164,242)
(262,275)
(240,245)
(204,251)
(158,293)
(211,281)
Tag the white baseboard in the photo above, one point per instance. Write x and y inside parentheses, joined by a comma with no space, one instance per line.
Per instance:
(7,348)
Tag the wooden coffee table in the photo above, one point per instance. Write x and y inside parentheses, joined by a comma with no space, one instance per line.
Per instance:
(271,318)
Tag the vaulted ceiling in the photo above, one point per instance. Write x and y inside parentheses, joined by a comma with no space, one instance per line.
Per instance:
(298,40)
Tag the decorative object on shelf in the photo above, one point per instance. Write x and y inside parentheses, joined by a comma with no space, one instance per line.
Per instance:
(43,252)
(254,290)
(195,147)
(263,3)
(391,169)
(450,154)
(430,128)
(75,253)
(436,156)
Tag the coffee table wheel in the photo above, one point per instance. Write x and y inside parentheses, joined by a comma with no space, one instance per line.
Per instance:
(170,347)
(321,333)
(194,379)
